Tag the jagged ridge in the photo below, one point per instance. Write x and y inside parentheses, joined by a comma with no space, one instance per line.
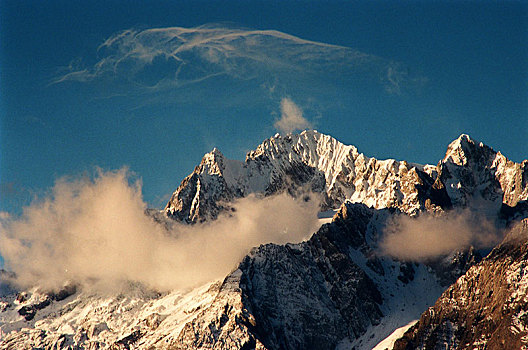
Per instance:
(310,161)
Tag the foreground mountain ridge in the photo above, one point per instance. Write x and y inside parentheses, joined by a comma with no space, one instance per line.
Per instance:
(332,291)
(487,308)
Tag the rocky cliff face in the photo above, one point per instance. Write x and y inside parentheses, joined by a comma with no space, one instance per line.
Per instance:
(303,296)
(470,175)
(205,192)
(487,308)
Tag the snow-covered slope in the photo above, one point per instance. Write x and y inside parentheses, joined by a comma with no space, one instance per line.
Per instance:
(85,320)
(470,173)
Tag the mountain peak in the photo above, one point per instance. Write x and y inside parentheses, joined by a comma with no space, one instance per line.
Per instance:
(471,169)
(458,149)
(213,162)
(465,149)
(215,153)
(465,137)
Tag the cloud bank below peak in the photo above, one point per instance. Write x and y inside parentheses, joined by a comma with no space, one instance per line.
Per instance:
(175,57)
(431,236)
(93,232)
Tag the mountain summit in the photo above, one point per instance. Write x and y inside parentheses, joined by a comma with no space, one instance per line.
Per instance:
(472,172)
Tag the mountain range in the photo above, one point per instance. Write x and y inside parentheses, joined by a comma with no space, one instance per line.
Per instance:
(470,175)
(335,290)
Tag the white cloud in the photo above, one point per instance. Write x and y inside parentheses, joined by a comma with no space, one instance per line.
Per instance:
(95,233)
(428,236)
(177,56)
(291,117)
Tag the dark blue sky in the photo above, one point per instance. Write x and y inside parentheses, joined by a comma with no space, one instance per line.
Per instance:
(402,81)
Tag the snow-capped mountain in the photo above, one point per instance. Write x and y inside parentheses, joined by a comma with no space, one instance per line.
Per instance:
(471,174)
(475,175)
(333,290)
(487,308)
(309,161)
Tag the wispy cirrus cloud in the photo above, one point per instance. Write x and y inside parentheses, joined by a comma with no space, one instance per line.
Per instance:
(176,56)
